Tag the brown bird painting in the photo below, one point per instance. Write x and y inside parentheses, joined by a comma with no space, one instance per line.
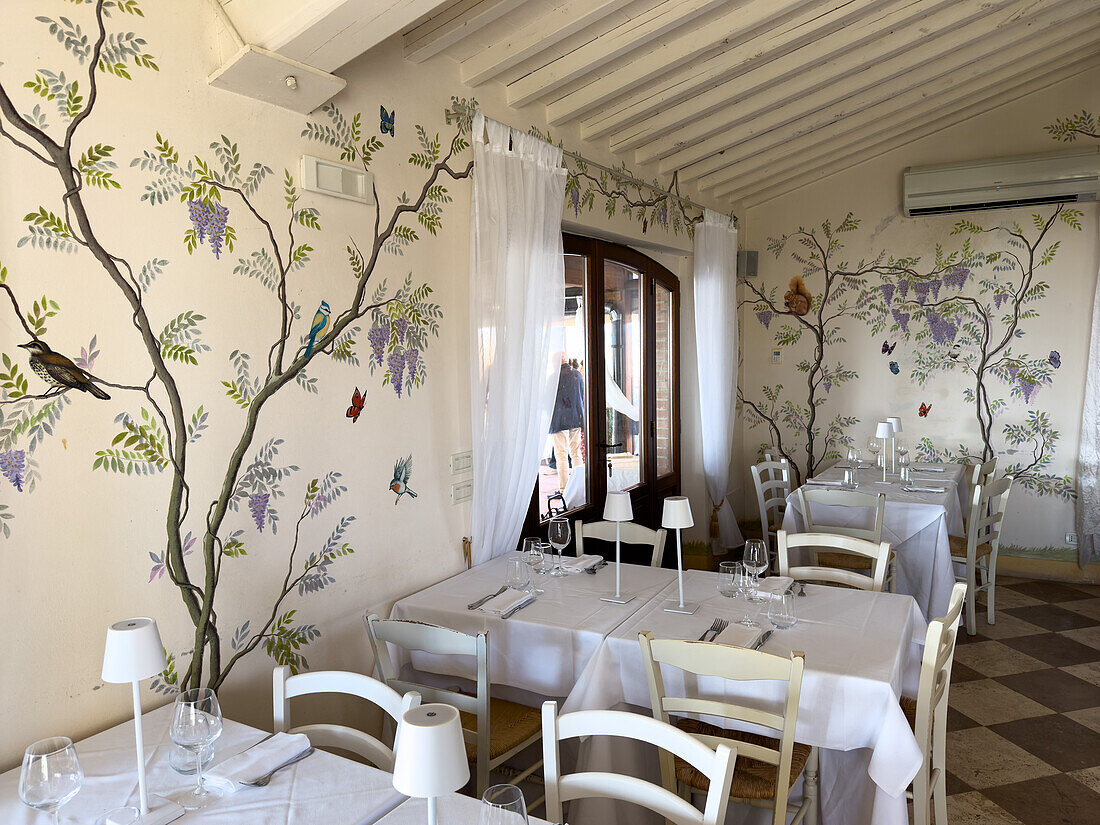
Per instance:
(798,298)
(58,371)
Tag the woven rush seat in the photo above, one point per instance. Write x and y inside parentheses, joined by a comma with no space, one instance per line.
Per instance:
(909,708)
(752,779)
(845,560)
(958,548)
(511,724)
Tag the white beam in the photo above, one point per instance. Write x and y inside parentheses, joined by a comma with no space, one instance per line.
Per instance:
(604,48)
(729,31)
(1015,32)
(831,144)
(1028,86)
(451,25)
(682,83)
(539,35)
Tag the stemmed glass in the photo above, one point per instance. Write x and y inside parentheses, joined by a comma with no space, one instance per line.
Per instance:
(196,723)
(903,463)
(532,552)
(503,805)
(559,536)
(730,577)
(756,562)
(51,775)
(743,579)
(873,447)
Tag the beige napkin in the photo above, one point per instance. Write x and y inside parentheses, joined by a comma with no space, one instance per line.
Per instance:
(506,601)
(251,764)
(912,488)
(774,585)
(738,635)
(925,469)
(824,482)
(581,563)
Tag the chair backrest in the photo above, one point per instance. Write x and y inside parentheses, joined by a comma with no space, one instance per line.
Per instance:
(874,503)
(877,552)
(935,681)
(285,687)
(735,664)
(630,533)
(772,480)
(988,503)
(716,763)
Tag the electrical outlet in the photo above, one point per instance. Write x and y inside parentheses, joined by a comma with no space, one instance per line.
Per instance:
(462,491)
(1071,539)
(462,462)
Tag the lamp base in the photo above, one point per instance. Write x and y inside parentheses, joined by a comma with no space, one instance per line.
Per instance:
(621,599)
(161,812)
(674,606)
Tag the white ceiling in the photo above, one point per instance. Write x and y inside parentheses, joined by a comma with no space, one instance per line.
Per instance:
(746,99)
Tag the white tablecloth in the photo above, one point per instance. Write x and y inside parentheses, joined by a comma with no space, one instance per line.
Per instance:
(862,650)
(544,647)
(453,809)
(915,524)
(323,788)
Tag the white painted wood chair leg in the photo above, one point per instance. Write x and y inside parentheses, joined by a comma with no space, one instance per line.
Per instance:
(991,576)
(939,768)
(811,789)
(971,602)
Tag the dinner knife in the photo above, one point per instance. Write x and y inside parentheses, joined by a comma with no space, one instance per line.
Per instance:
(511,612)
(767,634)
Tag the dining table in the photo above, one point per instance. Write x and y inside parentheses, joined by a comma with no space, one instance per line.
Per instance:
(452,809)
(917,520)
(322,788)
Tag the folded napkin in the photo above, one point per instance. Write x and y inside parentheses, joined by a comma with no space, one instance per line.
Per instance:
(913,489)
(775,585)
(738,635)
(824,482)
(251,764)
(924,469)
(581,563)
(507,600)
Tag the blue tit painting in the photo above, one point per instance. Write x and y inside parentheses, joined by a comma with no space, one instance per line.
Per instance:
(320,321)
(402,469)
(894,368)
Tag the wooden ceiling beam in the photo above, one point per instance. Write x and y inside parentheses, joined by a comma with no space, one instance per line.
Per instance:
(541,34)
(893,53)
(681,84)
(454,23)
(1030,85)
(732,30)
(922,83)
(604,48)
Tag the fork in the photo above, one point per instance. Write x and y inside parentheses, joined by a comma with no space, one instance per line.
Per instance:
(722,625)
(712,629)
(483,599)
(263,780)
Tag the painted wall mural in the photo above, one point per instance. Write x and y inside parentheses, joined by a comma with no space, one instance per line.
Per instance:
(217,192)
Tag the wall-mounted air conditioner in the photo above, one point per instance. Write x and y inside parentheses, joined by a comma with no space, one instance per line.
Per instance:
(1025,180)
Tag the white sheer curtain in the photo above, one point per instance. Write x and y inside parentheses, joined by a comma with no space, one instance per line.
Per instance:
(716,344)
(1088,450)
(517,294)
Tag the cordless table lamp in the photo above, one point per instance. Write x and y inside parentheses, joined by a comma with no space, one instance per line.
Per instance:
(430,756)
(885,431)
(677,513)
(895,425)
(617,509)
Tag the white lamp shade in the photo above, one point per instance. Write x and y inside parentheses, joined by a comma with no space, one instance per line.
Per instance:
(894,422)
(617,507)
(430,754)
(677,512)
(133,651)
(884,430)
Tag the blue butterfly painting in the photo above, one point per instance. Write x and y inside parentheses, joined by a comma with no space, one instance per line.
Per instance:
(387,119)
(894,368)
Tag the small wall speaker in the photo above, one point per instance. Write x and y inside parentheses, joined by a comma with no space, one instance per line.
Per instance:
(337,179)
(746,263)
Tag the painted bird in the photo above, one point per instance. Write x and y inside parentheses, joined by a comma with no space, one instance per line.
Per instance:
(401,472)
(58,371)
(320,321)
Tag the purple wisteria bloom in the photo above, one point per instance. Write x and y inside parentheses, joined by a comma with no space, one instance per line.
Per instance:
(662,213)
(209,222)
(378,337)
(575,199)
(903,288)
(902,319)
(1028,386)
(1000,298)
(888,292)
(402,326)
(1012,369)
(827,384)
(956,279)
(943,331)
(396,361)
(764,317)
(935,284)
(13,464)
(257,504)
(412,355)
(921,289)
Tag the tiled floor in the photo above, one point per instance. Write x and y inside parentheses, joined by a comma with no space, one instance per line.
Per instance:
(1023,742)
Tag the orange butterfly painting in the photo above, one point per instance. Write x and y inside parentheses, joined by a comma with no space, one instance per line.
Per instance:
(924,410)
(356,407)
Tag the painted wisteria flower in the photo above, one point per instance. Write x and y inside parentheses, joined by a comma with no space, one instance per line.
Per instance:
(1055,359)
(402,326)
(1000,298)
(575,200)
(921,290)
(1012,368)
(218,221)
(956,279)
(412,355)
(319,504)
(1028,386)
(888,292)
(903,288)
(209,223)
(13,464)
(902,319)
(662,213)
(827,384)
(943,331)
(257,505)
(378,337)
(396,362)
(935,285)
(764,317)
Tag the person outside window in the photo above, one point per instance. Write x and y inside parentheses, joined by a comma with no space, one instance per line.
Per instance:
(567,422)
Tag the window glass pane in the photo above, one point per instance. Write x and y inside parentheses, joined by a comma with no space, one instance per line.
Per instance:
(623,335)
(663,309)
(563,484)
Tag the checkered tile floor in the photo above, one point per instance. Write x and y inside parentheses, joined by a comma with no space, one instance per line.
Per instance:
(1023,742)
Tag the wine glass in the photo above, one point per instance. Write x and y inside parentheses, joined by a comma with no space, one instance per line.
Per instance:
(743,579)
(903,463)
(756,562)
(503,805)
(51,775)
(532,552)
(519,574)
(196,724)
(781,611)
(559,536)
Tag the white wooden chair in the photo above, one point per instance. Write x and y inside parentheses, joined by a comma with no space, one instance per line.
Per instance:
(977,474)
(874,503)
(927,714)
(874,555)
(716,764)
(761,760)
(286,687)
(631,533)
(495,730)
(772,480)
(978,550)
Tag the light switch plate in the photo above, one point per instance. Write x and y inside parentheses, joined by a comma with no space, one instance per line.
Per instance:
(462,462)
(777,356)
(462,491)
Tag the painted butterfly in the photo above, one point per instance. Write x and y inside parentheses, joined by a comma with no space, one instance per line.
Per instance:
(1055,359)
(888,348)
(387,119)
(894,368)
(356,407)
(924,410)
